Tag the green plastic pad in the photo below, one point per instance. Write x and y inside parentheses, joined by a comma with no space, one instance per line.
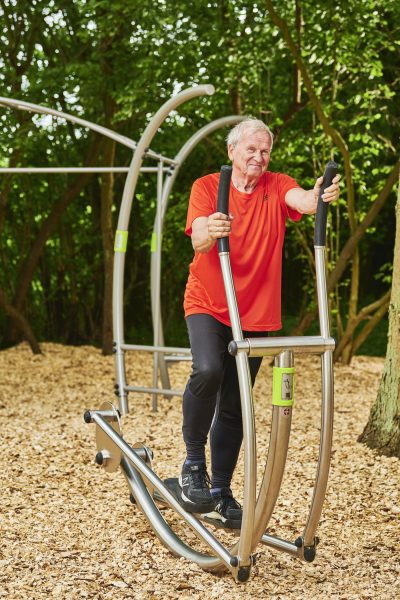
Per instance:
(283,386)
(153,243)
(121,240)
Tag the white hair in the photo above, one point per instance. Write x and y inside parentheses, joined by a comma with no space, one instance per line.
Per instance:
(251,125)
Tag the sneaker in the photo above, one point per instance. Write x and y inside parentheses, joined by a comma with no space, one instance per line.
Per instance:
(227,512)
(195,485)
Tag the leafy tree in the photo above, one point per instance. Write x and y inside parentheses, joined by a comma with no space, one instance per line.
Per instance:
(330,70)
(115,64)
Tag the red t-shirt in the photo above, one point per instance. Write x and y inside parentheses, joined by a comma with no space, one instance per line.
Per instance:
(255,243)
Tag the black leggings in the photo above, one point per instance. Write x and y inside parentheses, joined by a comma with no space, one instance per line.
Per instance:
(212,397)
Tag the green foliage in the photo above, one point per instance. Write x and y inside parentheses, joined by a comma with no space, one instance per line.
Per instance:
(115,63)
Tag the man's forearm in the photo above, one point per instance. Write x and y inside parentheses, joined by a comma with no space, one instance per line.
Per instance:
(304,201)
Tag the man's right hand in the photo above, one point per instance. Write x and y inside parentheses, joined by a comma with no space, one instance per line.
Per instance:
(219,225)
(206,230)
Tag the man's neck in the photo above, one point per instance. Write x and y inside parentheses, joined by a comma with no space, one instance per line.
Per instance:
(245,184)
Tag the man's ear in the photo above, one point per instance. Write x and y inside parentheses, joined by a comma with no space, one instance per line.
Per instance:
(230,151)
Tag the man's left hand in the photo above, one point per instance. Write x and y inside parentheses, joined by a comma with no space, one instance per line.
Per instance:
(331,194)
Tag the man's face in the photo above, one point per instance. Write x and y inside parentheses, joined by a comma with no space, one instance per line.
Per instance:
(250,156)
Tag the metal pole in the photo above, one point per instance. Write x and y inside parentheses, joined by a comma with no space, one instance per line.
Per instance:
(122,139)
(50,170)
(156,305)
(139,464)
(327,406)
(123,222)
(169,181)
(277,453)
(249,433)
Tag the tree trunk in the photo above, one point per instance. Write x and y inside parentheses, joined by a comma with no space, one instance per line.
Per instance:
(20,322)
(28,267)
(108,247)
(383,428)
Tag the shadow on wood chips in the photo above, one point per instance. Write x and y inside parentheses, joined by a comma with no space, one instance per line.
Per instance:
(68,530)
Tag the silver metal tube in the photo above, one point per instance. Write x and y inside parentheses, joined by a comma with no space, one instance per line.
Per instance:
(124,214)
(34,170)
(249,433)
(273,345)
(164,349)
(324,459)
(276,461)
(322,294)
(169,180)
(118,328)
(280,544)
(324,450)
(36,108)
(151,390)
(162,530)
(155,293)
(122,139)
(201,531)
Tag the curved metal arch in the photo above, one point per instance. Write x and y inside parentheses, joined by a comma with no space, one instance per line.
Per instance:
(155,268)
(44,110)
(123,223)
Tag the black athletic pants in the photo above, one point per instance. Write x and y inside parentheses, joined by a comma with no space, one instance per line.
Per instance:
(212,397)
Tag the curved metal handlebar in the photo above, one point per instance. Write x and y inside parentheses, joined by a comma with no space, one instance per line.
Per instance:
(322,207)
(223,202)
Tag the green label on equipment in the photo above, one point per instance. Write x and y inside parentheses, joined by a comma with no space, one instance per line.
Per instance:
(121,240)
(153,243)
(283,386)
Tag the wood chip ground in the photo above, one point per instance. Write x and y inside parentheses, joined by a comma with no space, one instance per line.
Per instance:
(69,531)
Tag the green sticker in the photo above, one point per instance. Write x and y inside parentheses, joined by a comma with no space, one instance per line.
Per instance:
(121,240)
(283,386)
(153,243)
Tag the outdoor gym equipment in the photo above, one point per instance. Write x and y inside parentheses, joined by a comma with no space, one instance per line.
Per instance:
(166,171)
(147,489)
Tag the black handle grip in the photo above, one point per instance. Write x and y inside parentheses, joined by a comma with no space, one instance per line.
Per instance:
(322,207)
(223,202)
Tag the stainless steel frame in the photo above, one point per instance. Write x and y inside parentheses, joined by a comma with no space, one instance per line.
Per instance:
(135,461)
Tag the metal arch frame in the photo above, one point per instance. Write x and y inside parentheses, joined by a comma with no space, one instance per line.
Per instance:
(134,461)
(159,362)
(257,512)
(44,110)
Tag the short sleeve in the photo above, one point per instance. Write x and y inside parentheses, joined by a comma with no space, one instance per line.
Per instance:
(286,183)
(201,204)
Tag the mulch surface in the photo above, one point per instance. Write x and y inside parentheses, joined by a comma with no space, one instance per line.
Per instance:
(68,529)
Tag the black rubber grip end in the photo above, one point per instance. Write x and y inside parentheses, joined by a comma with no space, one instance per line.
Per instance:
(87,417)
(223,201)
(322,207)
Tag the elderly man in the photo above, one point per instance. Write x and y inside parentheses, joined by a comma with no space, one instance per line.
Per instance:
(260,201)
